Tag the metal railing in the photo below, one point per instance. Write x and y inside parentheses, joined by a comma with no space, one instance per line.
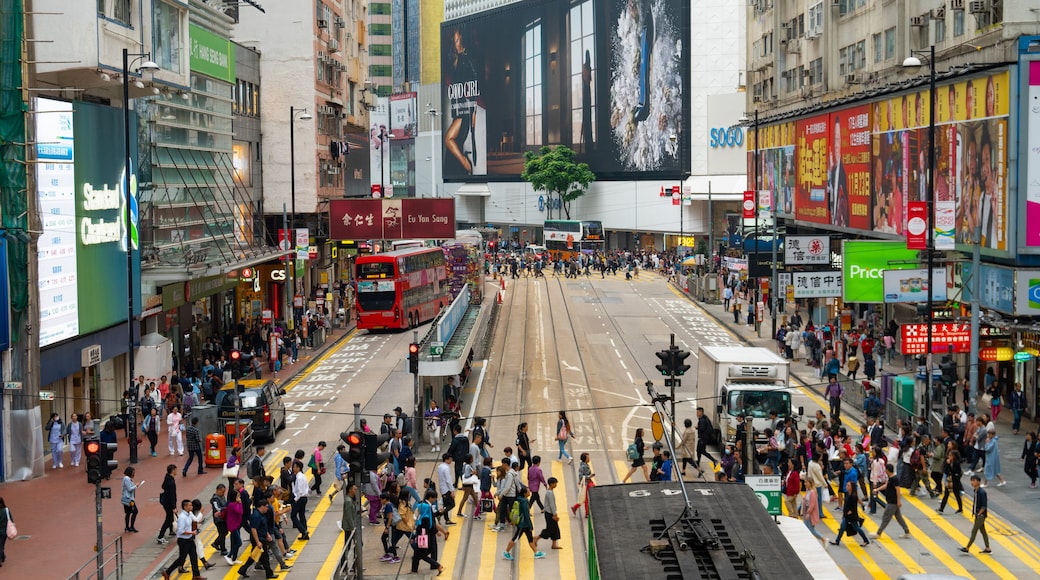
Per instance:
(346,569)
(113,562)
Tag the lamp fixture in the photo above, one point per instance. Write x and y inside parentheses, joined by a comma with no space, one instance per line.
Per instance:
(912,64)
(148,66)
(105,77)
(139,84)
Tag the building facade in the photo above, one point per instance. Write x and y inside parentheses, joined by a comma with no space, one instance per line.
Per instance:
(842,144)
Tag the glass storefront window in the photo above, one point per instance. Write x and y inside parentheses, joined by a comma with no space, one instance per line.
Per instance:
(166,32)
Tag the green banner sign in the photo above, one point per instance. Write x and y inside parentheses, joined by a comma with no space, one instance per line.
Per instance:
(864,264)
(211,55)
(767,488)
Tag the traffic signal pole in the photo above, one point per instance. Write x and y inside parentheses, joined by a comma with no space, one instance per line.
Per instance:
(673,365)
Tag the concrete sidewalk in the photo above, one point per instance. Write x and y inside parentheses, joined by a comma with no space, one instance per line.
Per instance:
(56,517)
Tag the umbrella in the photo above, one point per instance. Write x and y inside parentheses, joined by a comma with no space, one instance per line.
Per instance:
(691,261)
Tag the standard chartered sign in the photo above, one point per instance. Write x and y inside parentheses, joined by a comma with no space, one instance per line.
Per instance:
(864,264)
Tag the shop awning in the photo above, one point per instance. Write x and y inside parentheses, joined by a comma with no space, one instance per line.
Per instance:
(474,190)
(722,187)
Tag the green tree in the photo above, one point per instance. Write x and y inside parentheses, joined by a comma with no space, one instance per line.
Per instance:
(554,171)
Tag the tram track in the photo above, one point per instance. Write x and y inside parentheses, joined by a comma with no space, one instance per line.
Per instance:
(500,407)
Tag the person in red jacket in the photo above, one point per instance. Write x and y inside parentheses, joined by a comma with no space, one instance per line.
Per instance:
(792,486)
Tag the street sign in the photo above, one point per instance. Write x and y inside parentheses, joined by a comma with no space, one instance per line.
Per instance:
(46,395)
(13,386)
(90,355)
(657,426)
(767,488)
(436,348)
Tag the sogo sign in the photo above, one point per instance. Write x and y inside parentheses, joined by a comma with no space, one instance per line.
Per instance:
(863,266)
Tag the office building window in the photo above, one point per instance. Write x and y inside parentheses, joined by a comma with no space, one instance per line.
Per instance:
(532,51)
(582,67)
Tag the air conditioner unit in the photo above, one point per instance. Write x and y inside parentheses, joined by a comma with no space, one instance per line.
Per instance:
(806,92)
(939,13)
(851,78)
(333,45)
(333,170)
(756,99)
(978,7)
(339,22)
(794,46)
(835,3)
(957,5)
(917,21)
(806,74)
(323,24)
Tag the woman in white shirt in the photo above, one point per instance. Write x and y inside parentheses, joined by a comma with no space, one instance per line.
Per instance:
(173,422)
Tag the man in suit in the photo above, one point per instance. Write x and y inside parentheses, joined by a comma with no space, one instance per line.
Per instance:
(838,183)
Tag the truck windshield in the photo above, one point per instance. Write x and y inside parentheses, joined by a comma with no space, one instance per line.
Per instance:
(758,404)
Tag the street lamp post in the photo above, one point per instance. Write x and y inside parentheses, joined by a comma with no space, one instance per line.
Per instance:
(754,186)
(131,230)
(290,234)
(912,63)
(433,113)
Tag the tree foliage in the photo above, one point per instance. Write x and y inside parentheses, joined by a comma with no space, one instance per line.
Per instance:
(554,171)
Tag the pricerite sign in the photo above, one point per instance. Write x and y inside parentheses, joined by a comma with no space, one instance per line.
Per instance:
(864,264)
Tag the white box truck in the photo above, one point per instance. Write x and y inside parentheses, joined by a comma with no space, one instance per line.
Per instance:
(735,380)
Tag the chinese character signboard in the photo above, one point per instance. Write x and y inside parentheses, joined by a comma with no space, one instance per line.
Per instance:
(816,284)
(391,219)
(944,335)
(767,488)
(802,250)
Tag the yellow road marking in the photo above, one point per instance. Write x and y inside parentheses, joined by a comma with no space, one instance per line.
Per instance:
(956,535)
(997,526)
(864,558)
(894,549)
(452,543)
(563,506)
(329,566)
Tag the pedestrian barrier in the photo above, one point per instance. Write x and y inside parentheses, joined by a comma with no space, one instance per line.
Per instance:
(93,569)
(346,569)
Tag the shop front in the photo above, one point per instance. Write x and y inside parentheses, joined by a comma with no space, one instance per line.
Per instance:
(194,311)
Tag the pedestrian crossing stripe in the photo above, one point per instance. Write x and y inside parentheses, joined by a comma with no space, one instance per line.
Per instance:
(957,536)
(209,533)
(996,526)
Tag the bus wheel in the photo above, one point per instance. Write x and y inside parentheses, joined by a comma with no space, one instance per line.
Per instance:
(411,321)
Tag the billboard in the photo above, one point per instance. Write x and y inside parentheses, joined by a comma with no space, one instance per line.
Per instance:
(403,116)
(859,167)
(391,219)
(776,164)
(379,145)
(82,251)
(1032,157)
(864,263)
(946,337)
(816,284)
(996,286)
(912,285)
(606,78)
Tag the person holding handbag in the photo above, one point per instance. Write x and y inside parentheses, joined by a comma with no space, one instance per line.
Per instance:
(470,481)
(424,538)
(9,531)
(168,500)
(585,482)
(150,427)
(317,466)
(563,433)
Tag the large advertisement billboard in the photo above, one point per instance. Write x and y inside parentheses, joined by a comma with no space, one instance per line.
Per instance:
(859,167)
(1032,155)
(863,267)
(606,78)
(82,251)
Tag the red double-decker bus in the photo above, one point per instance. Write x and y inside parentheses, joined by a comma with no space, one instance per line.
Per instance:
(402,288)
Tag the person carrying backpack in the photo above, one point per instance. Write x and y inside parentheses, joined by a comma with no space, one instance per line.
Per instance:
(520,516)
(635,453)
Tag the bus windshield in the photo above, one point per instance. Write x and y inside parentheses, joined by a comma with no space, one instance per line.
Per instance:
(376,294)
(758,404)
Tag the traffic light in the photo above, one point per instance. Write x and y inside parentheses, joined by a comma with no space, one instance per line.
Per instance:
(236,364)
(355,454)
(93,450)
(108,461)
(667,361)
(373,458)
(413,358)
(678,365)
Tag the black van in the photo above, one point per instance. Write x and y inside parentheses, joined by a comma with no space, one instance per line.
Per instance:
(261,402)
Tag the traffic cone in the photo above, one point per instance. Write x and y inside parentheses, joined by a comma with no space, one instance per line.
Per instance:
(499,296)
(503,282)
